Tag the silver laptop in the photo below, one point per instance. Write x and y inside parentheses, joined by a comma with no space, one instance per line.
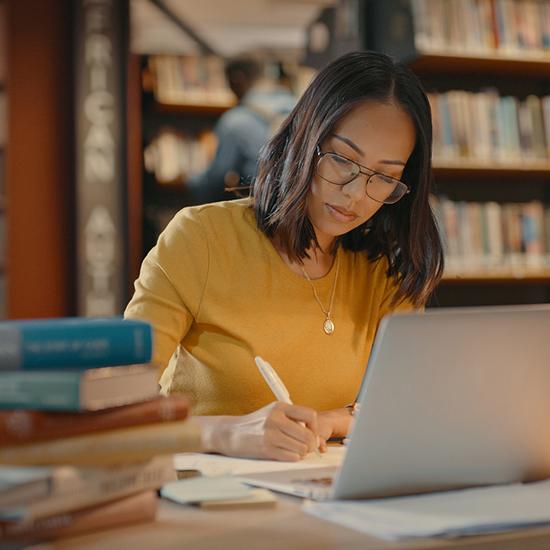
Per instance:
(451,398)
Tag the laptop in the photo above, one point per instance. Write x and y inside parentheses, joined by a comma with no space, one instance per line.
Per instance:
(451,398)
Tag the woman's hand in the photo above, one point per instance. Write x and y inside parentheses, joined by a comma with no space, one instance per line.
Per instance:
(334,423)
(277,432)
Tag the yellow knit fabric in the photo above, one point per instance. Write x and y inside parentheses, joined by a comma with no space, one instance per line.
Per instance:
(217,293)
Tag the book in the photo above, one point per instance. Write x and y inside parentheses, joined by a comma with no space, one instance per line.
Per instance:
(138,508)
(74,342)
(25,426)
(67,488)
(257,498)
(75,390)
(23,484)
(3,119)
(110,447)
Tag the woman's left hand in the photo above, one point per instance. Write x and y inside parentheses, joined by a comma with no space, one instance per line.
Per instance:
(334,423)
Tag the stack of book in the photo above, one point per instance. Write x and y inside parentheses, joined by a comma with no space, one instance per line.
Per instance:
(85,440)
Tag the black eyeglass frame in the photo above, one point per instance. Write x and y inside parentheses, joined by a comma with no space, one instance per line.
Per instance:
(369,175)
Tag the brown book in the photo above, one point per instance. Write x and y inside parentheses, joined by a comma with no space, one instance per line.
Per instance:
(110,447)
(137,508)
(69,488)
(23,426)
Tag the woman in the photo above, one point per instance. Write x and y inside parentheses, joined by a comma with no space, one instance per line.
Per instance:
(338,232)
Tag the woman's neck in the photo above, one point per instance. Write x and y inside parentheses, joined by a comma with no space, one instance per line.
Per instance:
(317,263)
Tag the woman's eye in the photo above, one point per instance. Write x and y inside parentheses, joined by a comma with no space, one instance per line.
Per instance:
(341,161)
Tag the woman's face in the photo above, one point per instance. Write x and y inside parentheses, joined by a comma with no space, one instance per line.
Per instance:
(377,136)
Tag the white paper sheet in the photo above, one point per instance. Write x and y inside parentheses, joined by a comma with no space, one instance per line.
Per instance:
(217,465)
(448,514)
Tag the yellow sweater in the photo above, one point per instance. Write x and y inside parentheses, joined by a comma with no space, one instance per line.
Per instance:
(217,293)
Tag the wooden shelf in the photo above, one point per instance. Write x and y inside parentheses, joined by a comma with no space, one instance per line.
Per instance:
(191,108)
(525,64)
(498,276)
(539,169)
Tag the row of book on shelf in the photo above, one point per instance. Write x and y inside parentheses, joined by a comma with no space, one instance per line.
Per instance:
(174,157)
(489,128)
(85,440)
(189,80)
(480,26)
(494,236)
(484,127)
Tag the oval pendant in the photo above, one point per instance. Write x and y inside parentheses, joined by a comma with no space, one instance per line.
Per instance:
(328,326)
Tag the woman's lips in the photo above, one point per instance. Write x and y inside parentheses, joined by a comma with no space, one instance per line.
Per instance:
(341,214)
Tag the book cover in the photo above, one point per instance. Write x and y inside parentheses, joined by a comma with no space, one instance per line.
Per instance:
(22,426)
(75,488)
(111,447)
(138,508)
(75,390)
(74,342)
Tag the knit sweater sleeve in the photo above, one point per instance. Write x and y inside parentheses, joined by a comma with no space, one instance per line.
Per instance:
(171,284)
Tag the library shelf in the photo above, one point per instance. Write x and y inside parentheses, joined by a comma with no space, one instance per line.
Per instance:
(501,63)
(497,276)
(538,169)
(201,109)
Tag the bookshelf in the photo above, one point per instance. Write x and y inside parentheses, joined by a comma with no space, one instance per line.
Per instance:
(38,175)
(485,65)
(182,97)
(535,65)
(3,141)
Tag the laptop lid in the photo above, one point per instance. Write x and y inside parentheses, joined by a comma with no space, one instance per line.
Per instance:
(452,398)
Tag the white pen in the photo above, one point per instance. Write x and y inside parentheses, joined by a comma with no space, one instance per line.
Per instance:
(275,384)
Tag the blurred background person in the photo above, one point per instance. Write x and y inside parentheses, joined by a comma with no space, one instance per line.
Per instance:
(263,101)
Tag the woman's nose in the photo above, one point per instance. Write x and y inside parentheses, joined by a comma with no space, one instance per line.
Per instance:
(356,188)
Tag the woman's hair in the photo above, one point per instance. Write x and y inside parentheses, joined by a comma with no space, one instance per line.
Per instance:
(404,232)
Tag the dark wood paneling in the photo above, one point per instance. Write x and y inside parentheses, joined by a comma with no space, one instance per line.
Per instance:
(39,159)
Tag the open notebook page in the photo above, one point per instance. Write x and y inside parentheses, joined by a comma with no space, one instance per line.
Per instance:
(216,465)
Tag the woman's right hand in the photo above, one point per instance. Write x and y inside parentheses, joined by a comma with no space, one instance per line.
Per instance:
(277,431)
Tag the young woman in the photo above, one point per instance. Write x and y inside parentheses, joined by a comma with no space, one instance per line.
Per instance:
(338,232)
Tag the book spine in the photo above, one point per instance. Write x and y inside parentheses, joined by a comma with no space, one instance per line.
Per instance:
(107,448)
(75,343)
(55,391)
(18,427)
(138,508)
(88,488)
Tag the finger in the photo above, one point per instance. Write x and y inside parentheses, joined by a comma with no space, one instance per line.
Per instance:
(276,453)
(296,421)
(303,414)
(276,438)
(298,431)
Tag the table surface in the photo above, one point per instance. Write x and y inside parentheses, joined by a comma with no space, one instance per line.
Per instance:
(284,527)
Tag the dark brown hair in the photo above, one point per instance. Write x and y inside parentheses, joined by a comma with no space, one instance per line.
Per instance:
(404,232)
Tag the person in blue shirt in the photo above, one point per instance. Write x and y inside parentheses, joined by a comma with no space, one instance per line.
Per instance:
(241,131)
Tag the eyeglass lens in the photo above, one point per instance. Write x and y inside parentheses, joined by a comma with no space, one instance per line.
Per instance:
(340,171)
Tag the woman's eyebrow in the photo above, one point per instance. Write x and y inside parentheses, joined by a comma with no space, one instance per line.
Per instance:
(357,149)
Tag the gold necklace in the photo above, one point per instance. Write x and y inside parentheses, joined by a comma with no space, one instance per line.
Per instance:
(328,325)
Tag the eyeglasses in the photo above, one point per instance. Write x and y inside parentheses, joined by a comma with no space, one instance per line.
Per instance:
(340,171)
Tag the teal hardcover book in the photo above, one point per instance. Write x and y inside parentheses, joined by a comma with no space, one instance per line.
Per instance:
(76,390)
(73,343)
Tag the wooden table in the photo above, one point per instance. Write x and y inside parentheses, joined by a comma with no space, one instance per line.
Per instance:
(284,527)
